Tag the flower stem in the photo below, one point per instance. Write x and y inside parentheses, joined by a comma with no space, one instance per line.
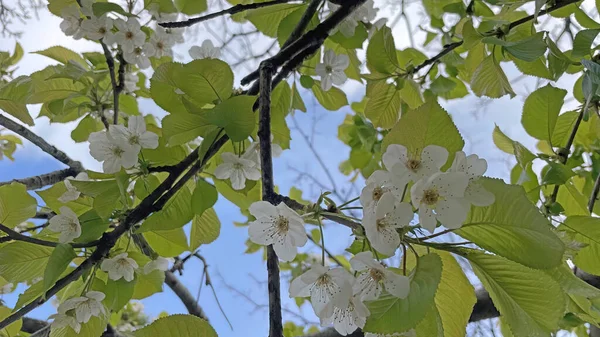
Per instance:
(348,202)
(322,241)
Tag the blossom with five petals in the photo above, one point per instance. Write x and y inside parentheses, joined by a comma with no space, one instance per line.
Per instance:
(237,169)
(411,167)
(350,315)
(135,134)
(374,277)
(332,69)
(72,193)
(206,51)
(119,267)
(114,153)
(381,224)
(67,224)
(474,167)
(84,307)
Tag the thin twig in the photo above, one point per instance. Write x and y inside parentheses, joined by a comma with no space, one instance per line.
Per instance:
(231,10)
(303,23)
(20,237)
(33,183)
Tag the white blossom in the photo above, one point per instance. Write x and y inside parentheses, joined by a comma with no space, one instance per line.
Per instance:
(96,28)
(140,55)
(279,226)
(160,263)
(379,183)
(130,82)
(365,13)
(114,153)
(135,134)
(237,169)
(62,320)
(253,151)
(86,7)
(162,44)
(7,288)
(206,51)
(323,285)
(412,167)
(332,69)
(72,193)
(119,267)
(375,277)
(85,307)
(474,167)
(130,35)
(21,227)
(72,20)
(381,224)
(350,315)
(439,197)
(67,224)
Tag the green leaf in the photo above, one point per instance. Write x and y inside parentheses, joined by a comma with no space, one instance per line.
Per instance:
(16,205)
(454,298)
(502,141)
(411,93)
(177,326)
(383,106)
(58,262)
(489,80)
(557,174)
(14,96)
(587,230)
(583,42)
(572,284)
(163,88)
(92,226)
(169,243)
(12,329)
(101,8)
(204,81)
(386,310)
(191,7)
(21,261)
(429,124)
(16,56)
(297,101)
(540,111)
(62,55)
(118,293)
(205,229)
(51,195)
(148,284)
(332,100)
(86,126)
(175,214)
(180,128)
(531,301)
(528,50)
(513,227)
(267,19)
(536,68)
(236,116)
(563,128)
(287,25)
(204,197)
(381,52)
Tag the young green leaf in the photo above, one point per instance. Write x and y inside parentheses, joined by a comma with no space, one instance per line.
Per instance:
(21,261)
(177,326)
(204,197)
(540,111)
(16,205)
(59,260)
(205,229)
(490,80)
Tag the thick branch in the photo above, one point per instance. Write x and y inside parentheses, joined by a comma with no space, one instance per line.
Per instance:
(33,183)
(184,295)
(303,23)
(40,142)
(232,10)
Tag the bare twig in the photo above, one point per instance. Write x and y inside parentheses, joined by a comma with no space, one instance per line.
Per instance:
(33,183)
(14,235)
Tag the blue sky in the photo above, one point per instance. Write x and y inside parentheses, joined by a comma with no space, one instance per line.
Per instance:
(228,263)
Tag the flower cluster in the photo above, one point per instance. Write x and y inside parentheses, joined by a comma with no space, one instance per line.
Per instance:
(365,13)
(119,146)
(336,296)
(238,169)
(136,46)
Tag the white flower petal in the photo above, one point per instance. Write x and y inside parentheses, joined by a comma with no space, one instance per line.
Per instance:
(397,285)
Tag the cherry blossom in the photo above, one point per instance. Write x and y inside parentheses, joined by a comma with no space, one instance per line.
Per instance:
(160,263)
(237,169)
(350,315)
(332,69)
(114,153)
(206,51)
(119,267)
(379,183)
(382,224)
(162,43)
(323,285)
(398,161)
(97,28)
(62,320)
(85,307)
(439,198)
(140,55)
(130,35)
(135,134)
(72,20)
(279,226)
(67,224)
(72,193)
(375,277)
(377,25)
(130,82)
(474,167)
(253,152)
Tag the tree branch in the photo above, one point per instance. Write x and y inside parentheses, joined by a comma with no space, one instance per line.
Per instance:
(303,23)
(184,295)
(269,195)
(14,235)
(40,142)
(231,10)
(33,183)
